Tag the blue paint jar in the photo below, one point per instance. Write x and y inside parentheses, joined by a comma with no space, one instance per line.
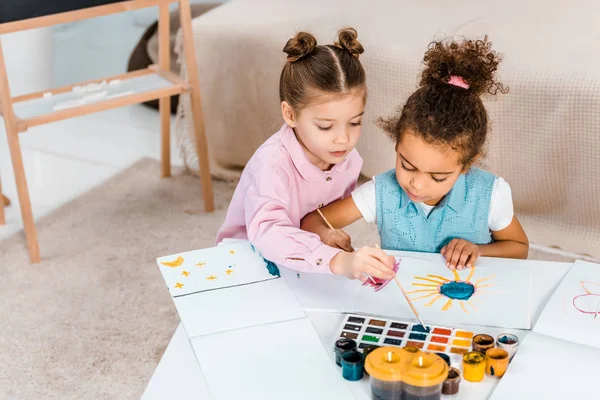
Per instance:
(444,357)
(353,364)
(343,346)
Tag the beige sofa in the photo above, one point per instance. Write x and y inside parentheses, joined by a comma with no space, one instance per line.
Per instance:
(545,137)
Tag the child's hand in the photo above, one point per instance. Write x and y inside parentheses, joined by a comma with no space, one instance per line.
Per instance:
(335,238)
(338,239)
(460,253)
(367,260)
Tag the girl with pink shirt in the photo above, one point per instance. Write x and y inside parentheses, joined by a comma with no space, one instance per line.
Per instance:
(310,162)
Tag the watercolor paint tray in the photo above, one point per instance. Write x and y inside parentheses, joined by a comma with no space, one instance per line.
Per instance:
(370,330)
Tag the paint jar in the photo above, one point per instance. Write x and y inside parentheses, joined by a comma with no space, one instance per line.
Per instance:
(423,377)
(385,366)
(508,342)
(496,362)
(352,365)
(482,343)
(410,349)
(452,382)
(367,350)
(342,346)
(444,357)
(473,366)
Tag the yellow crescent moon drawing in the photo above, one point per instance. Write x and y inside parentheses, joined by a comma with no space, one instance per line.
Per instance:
(173,264)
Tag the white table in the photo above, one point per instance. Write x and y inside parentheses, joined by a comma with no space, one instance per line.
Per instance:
(179,376)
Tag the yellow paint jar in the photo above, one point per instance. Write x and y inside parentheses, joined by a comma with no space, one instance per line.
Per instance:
(496,362)
(423,377)
(473,366)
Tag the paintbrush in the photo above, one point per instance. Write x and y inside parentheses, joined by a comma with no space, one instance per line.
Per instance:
(335,230)
(412,307)
(597,310)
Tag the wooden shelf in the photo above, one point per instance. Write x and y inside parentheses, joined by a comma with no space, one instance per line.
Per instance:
(78,15)
(97,95)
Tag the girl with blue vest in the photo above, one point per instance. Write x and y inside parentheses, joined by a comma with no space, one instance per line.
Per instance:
(435,200)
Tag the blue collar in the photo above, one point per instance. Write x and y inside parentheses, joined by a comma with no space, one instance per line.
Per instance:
(455,199)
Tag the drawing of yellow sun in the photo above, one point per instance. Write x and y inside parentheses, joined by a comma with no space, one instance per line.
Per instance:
(460,290)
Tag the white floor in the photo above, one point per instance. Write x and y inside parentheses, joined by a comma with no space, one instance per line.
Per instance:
(64,159)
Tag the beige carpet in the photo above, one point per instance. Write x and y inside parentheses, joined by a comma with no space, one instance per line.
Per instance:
(93,319)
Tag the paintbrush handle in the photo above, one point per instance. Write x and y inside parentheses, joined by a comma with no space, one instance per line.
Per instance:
(412,307)
(325,219)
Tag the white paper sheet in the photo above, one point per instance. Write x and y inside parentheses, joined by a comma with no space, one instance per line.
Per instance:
(214,268)
(278,361)
(323,292)
(548,368)
(237,307)
(492,296)
(569,315)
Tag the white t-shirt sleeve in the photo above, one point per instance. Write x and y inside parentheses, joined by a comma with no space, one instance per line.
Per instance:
(501,206)
(365,199)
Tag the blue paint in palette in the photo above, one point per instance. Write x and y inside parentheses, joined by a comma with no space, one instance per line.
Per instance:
(457,290)
(421,328)
(418,336)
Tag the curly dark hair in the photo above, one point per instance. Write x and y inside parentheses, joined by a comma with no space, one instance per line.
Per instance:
(447,108)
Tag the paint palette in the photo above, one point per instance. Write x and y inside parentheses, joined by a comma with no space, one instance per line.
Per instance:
(367,330)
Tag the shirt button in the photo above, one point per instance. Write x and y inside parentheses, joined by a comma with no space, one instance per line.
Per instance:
(328,178)
(320,205)
(319,261)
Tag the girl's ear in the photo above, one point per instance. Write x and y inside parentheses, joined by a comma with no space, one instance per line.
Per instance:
(288,114)
(470,164)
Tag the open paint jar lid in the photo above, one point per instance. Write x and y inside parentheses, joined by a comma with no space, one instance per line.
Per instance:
(387,363)
(424,370)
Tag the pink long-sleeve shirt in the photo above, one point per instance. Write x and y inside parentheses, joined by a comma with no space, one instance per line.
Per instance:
(278,187)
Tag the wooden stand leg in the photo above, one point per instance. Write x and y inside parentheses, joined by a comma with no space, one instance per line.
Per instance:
(3,199)
(197,113)
(164,104)
(17,162)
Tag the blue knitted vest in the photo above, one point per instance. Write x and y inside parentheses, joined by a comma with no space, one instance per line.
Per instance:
(462,213)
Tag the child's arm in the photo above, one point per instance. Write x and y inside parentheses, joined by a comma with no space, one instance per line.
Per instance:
(339,214)
(510,242)
(272,231)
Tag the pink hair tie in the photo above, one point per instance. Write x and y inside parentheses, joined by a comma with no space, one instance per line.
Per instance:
(458,81)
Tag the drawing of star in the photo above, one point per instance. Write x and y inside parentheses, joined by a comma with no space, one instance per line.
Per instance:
(179,285)
(185,273)
(229,271)
(211,278)
(231,251)
(201,264)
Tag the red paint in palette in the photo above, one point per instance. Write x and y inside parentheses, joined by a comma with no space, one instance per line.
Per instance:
(439,339)
(442,331)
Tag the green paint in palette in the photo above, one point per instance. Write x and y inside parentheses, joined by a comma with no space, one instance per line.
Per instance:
(369,338)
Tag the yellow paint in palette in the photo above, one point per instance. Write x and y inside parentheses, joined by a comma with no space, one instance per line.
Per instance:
(461,342)
(464,334)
